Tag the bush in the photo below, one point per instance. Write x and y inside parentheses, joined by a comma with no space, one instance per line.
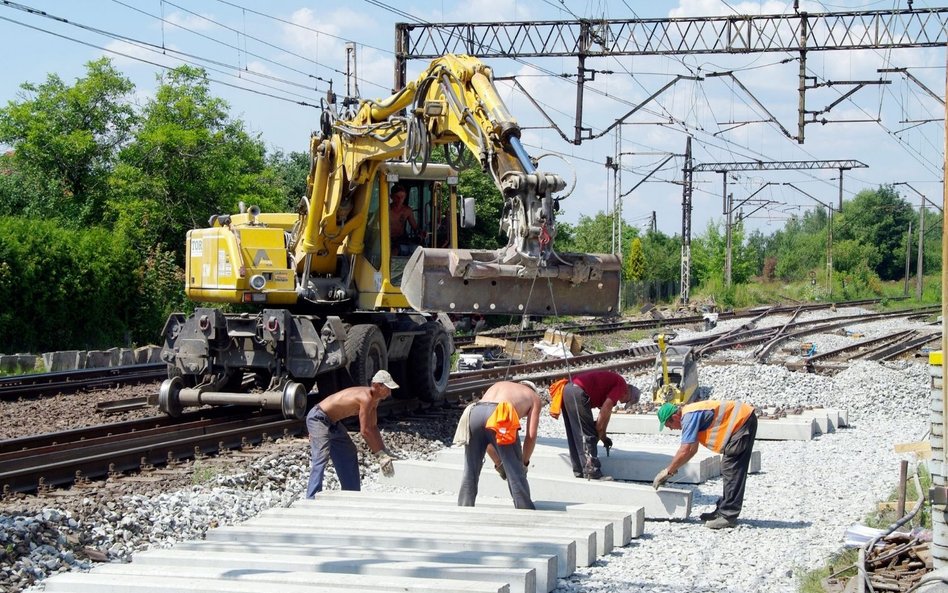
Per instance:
(76,289)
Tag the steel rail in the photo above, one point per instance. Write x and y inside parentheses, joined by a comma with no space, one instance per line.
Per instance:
(756,314)
(38,384)
(62,458)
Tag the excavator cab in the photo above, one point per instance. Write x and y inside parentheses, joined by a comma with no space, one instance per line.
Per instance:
(407,211)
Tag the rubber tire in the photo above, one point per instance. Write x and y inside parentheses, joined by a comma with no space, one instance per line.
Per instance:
(430,362)
(366,352)
(168,400)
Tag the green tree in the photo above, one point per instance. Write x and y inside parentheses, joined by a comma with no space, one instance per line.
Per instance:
(287,173)
(662,255)
(188,160)
(878,218)
(488,205)
(708,255)
(800,246)
(65,140)
(635,265)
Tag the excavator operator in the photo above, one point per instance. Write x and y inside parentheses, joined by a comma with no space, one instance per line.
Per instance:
(400,215)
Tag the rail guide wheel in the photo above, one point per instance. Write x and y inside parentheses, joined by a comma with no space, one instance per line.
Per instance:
(169,401)
(294,401)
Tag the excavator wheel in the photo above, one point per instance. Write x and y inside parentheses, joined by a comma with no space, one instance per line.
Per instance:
(168,401)
(430,363)
(366,352)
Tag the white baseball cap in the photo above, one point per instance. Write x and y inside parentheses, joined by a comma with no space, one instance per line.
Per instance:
(385,378)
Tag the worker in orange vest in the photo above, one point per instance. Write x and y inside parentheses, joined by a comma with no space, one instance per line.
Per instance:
(726,427)
(495,421)
(585,391)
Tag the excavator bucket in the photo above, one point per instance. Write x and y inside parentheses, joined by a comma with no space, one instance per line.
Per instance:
(468,281)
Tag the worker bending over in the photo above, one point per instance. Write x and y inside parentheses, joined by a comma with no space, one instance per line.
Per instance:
(495,421)
(585,391)
(329,439)
(726,427)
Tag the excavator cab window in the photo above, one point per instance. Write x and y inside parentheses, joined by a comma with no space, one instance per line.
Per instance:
(373,230)
(411,214)
(408,221)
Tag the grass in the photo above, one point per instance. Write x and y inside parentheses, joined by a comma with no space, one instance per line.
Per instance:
(203,473)
(841,564)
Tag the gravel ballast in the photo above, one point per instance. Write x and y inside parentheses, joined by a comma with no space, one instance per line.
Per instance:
(795,511)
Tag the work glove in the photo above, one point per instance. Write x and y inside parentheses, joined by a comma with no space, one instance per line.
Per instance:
(500,470)
(526,466)
(386,462)
(607,443)
(661,478)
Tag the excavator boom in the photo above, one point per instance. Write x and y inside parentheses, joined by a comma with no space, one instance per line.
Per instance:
(454,101)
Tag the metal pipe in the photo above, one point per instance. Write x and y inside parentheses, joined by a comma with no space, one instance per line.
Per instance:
(270,400)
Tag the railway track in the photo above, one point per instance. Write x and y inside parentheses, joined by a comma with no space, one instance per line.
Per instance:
(41,384)
(59,459)
(881,348)
(617,326)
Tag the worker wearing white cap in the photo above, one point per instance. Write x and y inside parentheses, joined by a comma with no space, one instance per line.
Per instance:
(328,438)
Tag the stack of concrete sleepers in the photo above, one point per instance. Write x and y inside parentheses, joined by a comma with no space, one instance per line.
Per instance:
(796,427)
(641,464)
(666,503)
(360,542)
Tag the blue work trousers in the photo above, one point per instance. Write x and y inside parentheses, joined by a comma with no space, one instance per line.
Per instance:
(330,440)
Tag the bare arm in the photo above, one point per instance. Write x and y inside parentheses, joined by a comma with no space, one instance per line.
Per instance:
(412,221)
(685,452)
(368,424)
(602,420)
(533,424)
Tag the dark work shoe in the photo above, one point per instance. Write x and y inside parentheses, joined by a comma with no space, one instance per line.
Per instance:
(598,476)
(709,515)
(578,474)
(721,523)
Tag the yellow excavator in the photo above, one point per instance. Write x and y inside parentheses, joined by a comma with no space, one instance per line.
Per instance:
(351,283)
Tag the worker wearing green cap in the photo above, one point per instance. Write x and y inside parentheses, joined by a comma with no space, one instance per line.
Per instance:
(726,427)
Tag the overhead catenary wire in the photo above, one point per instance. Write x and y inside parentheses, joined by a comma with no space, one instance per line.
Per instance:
(156,64)
(218,41)
(161,49)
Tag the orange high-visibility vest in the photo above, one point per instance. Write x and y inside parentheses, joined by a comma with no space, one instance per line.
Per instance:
(556,397)
(505,422)
(728,417)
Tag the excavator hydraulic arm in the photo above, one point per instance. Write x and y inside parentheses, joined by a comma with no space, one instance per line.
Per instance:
(454,101)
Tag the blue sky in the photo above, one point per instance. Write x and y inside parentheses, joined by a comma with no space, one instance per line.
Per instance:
(299,53)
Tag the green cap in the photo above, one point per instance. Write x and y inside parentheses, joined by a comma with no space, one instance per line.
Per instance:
(664,413)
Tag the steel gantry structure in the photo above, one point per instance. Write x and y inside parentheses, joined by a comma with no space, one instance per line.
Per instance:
(799,33)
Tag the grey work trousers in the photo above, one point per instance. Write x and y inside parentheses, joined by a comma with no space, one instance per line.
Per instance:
(735,461)
(581,435)
(511,456)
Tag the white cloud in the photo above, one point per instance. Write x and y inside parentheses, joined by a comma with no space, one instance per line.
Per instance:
(194,22)
(690,8)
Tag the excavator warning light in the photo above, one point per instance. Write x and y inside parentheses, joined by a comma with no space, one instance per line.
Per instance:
(258,282)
